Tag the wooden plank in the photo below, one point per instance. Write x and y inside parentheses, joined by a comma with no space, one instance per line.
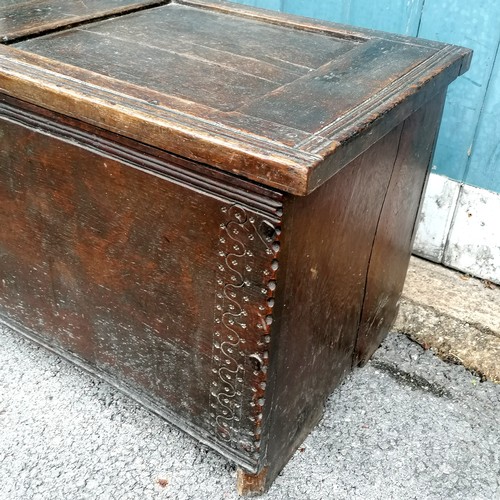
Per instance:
(147,279)
(226,58)
(23,18)
(328,95)
(343,82)
(403,16)
(393,240)
(75,258)
(110,56)
(250,38)
(236,69)
(104,103)
(475,25)
(484,167)
(317,312)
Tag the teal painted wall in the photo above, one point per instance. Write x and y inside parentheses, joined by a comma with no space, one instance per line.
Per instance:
(484,165)
(469,143)
(475,24)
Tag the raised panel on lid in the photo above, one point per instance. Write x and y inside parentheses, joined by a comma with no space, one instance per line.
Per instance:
(221,61)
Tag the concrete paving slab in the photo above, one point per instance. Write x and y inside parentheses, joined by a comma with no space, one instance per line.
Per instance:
(456,315)
(406,426)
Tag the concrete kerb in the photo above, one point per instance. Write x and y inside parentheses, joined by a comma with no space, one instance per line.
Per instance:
(455,315)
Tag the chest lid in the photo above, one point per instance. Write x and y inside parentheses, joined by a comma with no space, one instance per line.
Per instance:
(281,100)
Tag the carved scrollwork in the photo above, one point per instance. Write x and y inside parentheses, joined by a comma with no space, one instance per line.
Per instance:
(246,266)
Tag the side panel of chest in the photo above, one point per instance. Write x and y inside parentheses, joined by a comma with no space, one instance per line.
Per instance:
(163,286)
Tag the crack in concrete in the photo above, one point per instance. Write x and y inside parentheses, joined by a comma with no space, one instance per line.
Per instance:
(412,380)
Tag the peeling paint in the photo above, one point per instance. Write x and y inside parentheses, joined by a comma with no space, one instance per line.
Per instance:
(436,217)
(474,239)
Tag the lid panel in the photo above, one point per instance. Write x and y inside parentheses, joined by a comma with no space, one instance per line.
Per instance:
(339,86)
(161,70)
(193,54)
(20,18)
(167,26)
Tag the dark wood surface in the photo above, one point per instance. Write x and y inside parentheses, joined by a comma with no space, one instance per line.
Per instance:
(327,242)
(23,18)
(135,242)
(396,228)
(152,281)
(345,253)
(280,100)
(167,284)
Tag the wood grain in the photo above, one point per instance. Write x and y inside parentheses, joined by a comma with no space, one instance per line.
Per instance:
(257,83)
(393,241)
(103,261)
(139,270)
(23,18)
(326,246)
(212,207)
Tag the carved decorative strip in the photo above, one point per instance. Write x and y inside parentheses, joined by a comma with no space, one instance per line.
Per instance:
(186,173)
(246,270)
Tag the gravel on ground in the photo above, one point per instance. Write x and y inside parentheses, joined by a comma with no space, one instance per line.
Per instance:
(406,426)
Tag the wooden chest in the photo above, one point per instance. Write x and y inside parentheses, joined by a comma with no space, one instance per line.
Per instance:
(212,207)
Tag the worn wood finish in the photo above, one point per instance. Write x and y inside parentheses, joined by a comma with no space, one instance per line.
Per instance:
(83,218)
(110,270)
(393,242)
(23,18)
(327,242)
(345,253)
(114,72)
(128,244)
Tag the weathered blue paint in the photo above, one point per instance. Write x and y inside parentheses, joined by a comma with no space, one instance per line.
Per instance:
(264,4)
(470,123)
(474,24)
(399,16)
(330,10)
(484,167)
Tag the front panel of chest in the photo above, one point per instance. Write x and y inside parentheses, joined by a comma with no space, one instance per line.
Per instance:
(164,283)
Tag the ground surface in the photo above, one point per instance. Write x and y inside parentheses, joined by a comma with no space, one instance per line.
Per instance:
(457,315)
(407,426)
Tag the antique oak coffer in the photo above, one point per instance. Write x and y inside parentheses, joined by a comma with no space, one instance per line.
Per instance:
(211,206)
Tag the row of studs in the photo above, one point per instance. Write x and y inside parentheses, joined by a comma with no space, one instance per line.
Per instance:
(229,358)
(260,373)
